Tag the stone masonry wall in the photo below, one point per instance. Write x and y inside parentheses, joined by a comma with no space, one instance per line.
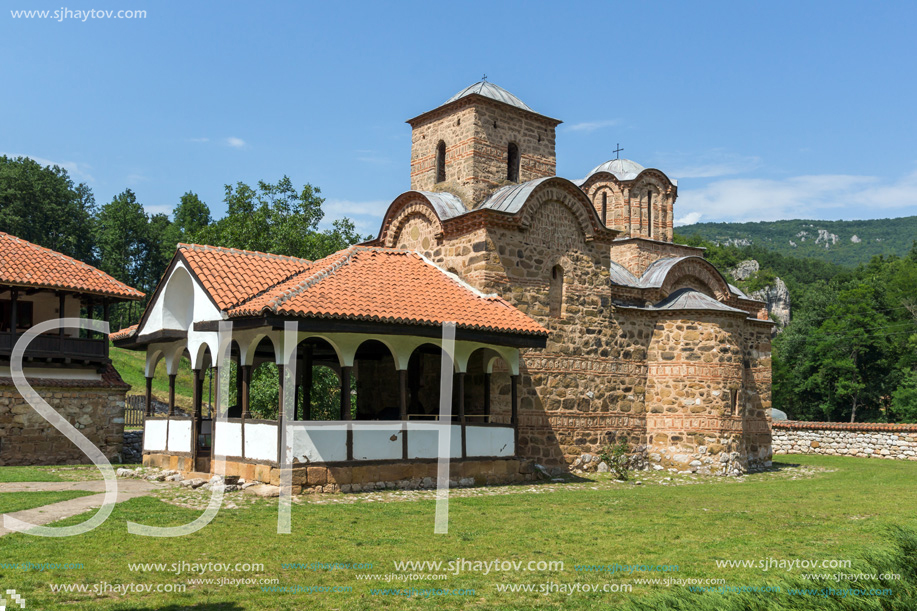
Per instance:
(891,441)
(477,139)
(589,386)
(28,439)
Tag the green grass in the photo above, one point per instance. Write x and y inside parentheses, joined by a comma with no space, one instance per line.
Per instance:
(70,473)
(28,474)
(18,501)
(131,365)
(831,508)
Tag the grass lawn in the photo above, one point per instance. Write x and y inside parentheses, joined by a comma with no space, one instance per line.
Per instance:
(824,508)
(73,473)
(18,501)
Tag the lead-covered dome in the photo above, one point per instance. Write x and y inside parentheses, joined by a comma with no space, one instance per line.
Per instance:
(622,169)
(494,92)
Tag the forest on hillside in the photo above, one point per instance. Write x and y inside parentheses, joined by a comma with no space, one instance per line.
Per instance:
(849,353)
(848,243)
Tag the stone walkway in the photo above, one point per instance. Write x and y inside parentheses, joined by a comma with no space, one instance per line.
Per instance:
(127,489)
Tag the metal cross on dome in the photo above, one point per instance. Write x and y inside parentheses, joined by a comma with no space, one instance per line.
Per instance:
(484,79)
(617,150)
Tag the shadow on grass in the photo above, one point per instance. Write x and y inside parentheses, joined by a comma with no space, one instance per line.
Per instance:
(780,466)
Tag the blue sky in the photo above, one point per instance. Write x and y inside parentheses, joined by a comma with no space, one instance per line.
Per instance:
(761,110)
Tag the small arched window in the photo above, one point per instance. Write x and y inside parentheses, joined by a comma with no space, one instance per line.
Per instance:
(512,162)
(604,208)
(441,161)
(556,292)
(649,213)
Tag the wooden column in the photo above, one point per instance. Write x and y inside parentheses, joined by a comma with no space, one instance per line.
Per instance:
(281,374)
(246,374)
(514,418)
(149,396)
(307,384)
(89,307)
(214,412)
(487,396)
(61,303)
(345,407)
(14,311)
(460,383)
(172,377)
(197,399)
(403,404)
(239,388)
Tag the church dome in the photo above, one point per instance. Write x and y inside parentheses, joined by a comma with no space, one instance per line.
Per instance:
(623,169)
(494,92)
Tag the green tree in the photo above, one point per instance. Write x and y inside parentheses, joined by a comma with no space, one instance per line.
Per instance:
(277,218)
(42,205)
(190,217)
(122,239)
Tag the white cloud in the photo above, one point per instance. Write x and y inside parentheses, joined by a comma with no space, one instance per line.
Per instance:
(366,215)
(712,164)
(235,143)
(591,126)
(158,209)
(79,172)
(814,196)
(135,179)
(198,139)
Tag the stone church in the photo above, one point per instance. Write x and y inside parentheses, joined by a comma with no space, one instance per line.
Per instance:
(647,340)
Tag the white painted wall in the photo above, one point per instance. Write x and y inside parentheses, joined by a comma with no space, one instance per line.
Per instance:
(182,302)
(317,444)
(261,441)
(154,435)
(227,440)
(179,436)
(489,441)
(425,444)
(385,444)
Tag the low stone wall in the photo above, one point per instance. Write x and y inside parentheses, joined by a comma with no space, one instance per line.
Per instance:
(132,451)
(96,409)
(311,479)
(893,441)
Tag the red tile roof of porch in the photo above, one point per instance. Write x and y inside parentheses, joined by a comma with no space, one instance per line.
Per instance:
(30,265)
(358,283)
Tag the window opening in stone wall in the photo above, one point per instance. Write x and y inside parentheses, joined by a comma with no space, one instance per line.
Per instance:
(441,161)
(512,162)
(604,207)
(556,292)
(735,402)
(649,213)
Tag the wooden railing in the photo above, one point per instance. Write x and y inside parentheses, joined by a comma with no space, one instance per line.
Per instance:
(57,347)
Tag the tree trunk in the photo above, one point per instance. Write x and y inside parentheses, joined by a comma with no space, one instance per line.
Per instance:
(853,411)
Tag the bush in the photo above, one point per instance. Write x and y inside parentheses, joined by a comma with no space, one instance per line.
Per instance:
(617,458)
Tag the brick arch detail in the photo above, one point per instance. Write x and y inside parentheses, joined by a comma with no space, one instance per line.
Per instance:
(580,207)
(403,210)
(694,269)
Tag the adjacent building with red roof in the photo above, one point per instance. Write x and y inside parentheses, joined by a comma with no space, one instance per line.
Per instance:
(68,366)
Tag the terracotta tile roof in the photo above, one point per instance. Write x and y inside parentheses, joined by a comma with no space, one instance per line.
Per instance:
(232,276)
(123,333)
(25,264)
(387,285)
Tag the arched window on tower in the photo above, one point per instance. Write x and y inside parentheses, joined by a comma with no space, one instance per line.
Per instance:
(512,162)
(441,161)
(604,208)
(556,292)
(649,213)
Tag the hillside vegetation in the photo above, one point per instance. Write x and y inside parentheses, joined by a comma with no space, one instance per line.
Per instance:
(848,243)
